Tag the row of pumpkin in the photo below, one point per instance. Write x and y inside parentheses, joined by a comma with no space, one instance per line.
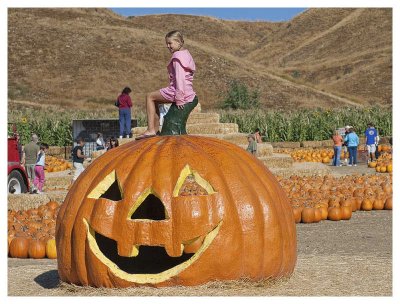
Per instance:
(319,198)
(54,164)
(31,233)
(383,164)
(324,155)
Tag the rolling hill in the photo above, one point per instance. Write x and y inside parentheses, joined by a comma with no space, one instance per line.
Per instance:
(325,57)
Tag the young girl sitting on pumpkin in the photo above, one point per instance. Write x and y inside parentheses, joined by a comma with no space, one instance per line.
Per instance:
(180,91)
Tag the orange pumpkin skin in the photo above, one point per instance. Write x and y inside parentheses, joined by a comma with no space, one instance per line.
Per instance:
(37,249)
(334,214)
(367,204)
(389,203)
(346,212)
(19,247)
(378,204)
(248,212)
(308,215)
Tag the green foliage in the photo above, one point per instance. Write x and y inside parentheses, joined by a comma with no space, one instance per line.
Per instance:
(55,127)
(238,96)
(308,124)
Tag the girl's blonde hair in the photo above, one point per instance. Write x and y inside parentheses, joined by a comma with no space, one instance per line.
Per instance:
(176,35)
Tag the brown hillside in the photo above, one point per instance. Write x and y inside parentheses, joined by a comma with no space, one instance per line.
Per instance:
(75,57)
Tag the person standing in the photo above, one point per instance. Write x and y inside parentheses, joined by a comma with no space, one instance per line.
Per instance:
(124,105)
(39,169)
(252,147)
(78,157)
(100,145)
(31,151)
(337,147)
(371,141)
(352,144)
(257,136)
(345,150)
(181,69)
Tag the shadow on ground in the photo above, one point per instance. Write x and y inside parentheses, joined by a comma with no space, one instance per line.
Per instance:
(48,279)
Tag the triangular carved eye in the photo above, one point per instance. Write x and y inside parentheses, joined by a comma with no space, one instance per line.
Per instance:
(148,207)
(151,209)
(191,183)
(108,188)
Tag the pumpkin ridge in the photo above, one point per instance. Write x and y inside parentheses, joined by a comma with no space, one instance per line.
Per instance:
(247,174)
(72,207)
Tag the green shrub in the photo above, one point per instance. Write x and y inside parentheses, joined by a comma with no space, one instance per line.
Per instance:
(238,96)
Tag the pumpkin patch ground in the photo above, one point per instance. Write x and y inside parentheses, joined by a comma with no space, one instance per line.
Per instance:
(344,258)
(334,258)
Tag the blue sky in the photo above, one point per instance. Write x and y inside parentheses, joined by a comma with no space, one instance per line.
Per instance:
(250,14)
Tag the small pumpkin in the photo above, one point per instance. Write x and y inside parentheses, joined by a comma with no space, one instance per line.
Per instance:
(51,251)
(19,247)
(366,204)
(334,214)
(308,215)
(36,249)
(389,203)
(346,212)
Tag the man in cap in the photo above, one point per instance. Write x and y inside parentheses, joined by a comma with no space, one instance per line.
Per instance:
(371,141)
(31,151)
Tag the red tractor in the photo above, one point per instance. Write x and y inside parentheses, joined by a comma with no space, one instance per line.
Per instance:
(18,181)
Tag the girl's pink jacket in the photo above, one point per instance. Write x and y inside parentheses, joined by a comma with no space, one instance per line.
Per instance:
(181,69)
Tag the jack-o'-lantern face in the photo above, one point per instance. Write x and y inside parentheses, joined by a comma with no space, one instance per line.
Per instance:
(144,241)
(174,210)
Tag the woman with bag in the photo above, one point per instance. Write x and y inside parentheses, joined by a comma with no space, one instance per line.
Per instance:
(124,104)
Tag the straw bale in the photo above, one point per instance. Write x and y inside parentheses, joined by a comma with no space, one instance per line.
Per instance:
(310,144)
(286,144)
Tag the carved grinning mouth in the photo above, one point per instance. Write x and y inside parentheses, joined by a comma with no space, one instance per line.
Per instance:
(151,265)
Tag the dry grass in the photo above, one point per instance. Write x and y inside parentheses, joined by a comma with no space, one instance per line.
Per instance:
(84,57)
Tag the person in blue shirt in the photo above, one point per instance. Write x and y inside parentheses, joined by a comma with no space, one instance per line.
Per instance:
(371,141)
(352,141)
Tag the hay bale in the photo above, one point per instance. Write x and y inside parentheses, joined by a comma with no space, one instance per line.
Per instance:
(196,118)
(263,149)
(277,161)
(286,144)
(303,169)
(27,201)
(311,144)
(327,143)
(212,128)
(234,138)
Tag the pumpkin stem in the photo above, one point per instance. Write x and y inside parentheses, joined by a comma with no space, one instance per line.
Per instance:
(175,120)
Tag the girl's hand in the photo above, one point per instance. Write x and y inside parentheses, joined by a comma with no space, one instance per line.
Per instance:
(180,107)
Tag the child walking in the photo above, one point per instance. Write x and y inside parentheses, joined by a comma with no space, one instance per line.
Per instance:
(180,91)
(39,168)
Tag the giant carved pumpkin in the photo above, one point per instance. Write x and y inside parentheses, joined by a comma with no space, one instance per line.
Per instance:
(127,222)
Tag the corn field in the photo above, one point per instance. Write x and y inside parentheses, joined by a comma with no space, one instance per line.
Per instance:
(309,124)
(55,128)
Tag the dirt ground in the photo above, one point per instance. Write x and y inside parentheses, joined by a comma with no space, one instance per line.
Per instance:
(346,258)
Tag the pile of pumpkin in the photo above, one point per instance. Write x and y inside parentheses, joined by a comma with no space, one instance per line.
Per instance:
(383,164)
(31,233)
(54,164)
(312,155)
(327,198)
